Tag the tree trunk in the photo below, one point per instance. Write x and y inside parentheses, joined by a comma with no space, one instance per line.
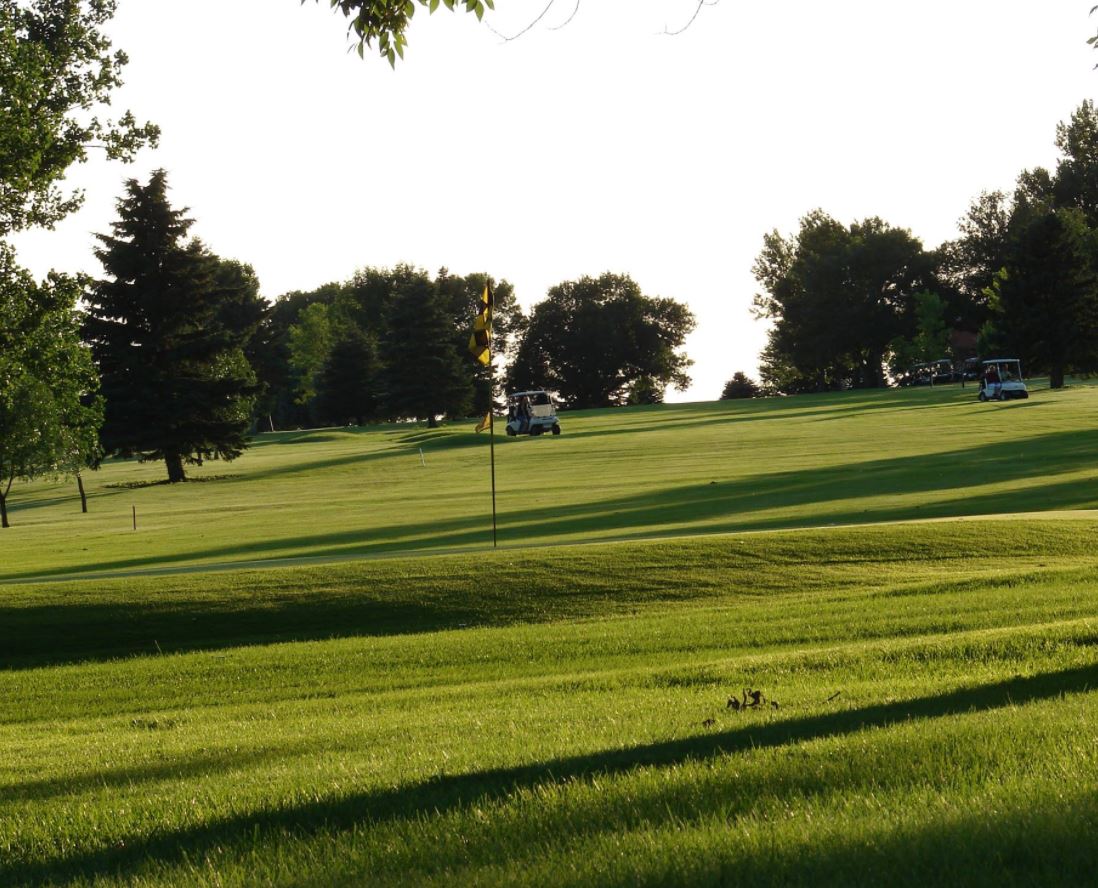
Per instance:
(174,462)
(4,491)
(83,495)
(1056,376)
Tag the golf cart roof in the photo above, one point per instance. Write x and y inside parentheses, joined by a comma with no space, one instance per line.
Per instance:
(1002,361)
(528,394)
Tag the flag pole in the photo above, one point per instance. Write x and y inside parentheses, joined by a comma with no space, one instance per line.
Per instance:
(492,414)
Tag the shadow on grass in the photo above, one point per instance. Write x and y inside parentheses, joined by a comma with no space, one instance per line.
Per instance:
(203,764)
(436,797)
(719,506)
(56,634)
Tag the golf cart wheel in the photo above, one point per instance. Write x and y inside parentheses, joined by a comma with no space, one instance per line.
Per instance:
(511,432)
(982,396)
(556,430)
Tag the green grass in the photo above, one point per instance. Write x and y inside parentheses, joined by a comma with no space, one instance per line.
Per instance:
(555,714)
(677,469)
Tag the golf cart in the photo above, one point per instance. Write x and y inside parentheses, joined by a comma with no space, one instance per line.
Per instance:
(531,413)
(1002,380)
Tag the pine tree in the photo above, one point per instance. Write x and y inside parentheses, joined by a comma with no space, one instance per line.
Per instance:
(425,374)
(166,331)
(348,383)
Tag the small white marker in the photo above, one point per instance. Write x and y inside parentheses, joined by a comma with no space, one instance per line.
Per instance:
(422,462)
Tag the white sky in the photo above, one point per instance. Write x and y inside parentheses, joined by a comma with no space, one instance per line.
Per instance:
(601,146)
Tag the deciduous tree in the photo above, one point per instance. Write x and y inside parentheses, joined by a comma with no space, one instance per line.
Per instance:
(596,340)
(56,71)
(1047,297)
(49,408)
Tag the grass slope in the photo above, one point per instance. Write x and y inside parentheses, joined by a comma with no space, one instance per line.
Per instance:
(556,715)
(539,737)
(626,474)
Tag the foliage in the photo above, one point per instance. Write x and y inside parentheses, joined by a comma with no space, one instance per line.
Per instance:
(427,371)
(49,410)
(740,386)
(387,21)
(837,297)
(1047,296)
(365,315)
(1075,184)
(931,339)
(56,66)
(310,341)
(596,340)
(349,382)
(168,327)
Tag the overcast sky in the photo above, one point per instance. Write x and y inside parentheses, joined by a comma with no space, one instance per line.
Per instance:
(602,145)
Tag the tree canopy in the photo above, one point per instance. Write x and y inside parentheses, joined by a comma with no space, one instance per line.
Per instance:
(838,296)
(1046,299)
(56,70)
(597,342)
(49,407)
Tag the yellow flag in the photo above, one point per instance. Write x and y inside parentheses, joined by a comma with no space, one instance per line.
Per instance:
(484,423)
(480,343)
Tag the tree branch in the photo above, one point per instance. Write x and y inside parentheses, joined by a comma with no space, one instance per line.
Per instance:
(697,11)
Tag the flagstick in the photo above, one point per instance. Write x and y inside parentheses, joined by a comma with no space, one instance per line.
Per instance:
(492,433)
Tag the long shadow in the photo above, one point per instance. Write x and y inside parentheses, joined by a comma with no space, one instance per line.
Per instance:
(446,793)
(719,506)
(55,634)
(200,765)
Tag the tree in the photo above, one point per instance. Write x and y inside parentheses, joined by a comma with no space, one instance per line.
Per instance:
(1075,184)
(740,386)
(426,372)
(348,384)
(1046,299)
(177,384)
(387,21)
(49,409)
(838,296)
(969,264)
(310,342)
(596,341)
(56,66)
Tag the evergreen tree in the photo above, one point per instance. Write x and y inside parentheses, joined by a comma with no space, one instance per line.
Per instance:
(425,372)
(740,386)
(165,330)
(348,383)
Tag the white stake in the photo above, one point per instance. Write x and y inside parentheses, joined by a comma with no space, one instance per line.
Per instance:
(422,462)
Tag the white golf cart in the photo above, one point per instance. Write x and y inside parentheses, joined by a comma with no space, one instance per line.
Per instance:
(531,413)
(1002,380)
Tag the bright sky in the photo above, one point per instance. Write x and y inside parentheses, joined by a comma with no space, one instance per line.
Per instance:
(602,146)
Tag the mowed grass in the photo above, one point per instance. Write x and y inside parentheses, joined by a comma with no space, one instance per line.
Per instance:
(627,474)
(543,716)
(556,714)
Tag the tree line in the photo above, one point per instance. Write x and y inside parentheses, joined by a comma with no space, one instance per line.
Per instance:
(854,306)
(173,355)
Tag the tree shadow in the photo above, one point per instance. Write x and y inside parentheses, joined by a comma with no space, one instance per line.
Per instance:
(435,797)
(739,504)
